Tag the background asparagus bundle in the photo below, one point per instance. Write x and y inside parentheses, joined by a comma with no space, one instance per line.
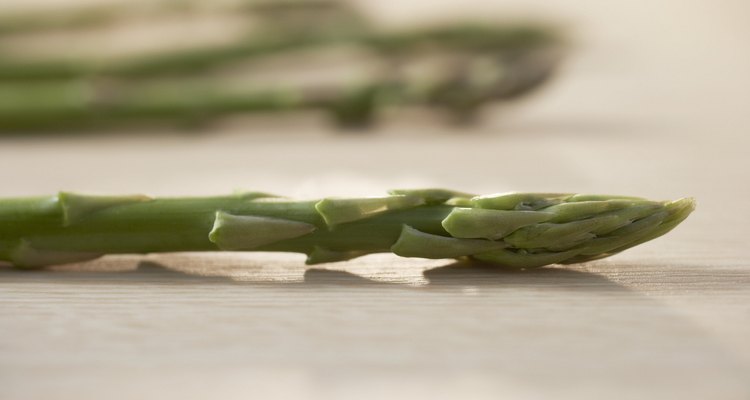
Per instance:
(300,16)
(516,230)
(468,67)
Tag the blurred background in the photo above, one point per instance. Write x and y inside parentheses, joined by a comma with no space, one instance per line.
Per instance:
(309,97)
(291,95)
(321,98)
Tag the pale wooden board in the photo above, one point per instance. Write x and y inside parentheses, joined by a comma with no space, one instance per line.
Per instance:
(651,105)
(238,326)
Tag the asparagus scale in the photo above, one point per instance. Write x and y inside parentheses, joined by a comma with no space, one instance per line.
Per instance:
(514,230)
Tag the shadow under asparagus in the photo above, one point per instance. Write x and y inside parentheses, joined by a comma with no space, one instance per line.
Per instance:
(463,273)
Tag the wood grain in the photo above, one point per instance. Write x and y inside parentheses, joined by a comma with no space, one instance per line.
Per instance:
(650,104)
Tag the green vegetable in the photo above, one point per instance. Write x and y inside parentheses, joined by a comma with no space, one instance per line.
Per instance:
(457,68)
(88,104)
(517,230)
(287,15)
(507,40)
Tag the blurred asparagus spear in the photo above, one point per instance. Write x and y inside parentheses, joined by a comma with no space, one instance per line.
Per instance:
(516,230)
(305,17)
(508,41)
(86,17)
(286,15)
(85,104)
(59,95)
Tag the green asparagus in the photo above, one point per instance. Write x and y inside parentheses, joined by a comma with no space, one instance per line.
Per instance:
(508,40)
(84,104)
(467,66)
(515,230)
(287,14)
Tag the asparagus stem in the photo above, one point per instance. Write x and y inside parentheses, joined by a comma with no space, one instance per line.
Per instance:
(52,95)
(509,40)
(91,104)
(284,15)
(76,105)
(511,230)
(86,17)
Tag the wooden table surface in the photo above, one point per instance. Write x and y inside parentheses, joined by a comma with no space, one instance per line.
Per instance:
(652,103)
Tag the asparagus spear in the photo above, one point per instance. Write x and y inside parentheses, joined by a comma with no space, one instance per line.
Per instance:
(56,95)
(91,104)
(87,17)
(288,14)
(516,230)
(305,17)
(503,40)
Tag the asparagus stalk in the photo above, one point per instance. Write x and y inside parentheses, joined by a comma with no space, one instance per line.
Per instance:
(284,14)
(57,95)
(85,105)
(502,40)
(86,17)
(305,17)
(90,104)
(516,230)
